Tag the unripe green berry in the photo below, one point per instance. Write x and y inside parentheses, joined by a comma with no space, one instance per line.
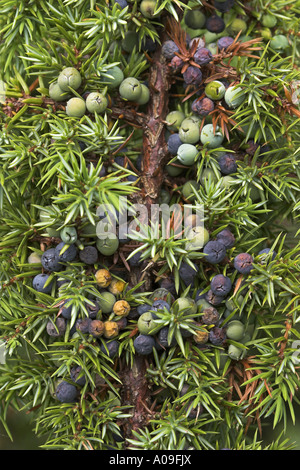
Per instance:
(237,25)
(75,107)
(235,330)
(69,77)
(174,120)
(108,246)
(68,235)
(147,8)
(269,21)
(194,19)
(145,95)
(96,102)
(187,153)
(279,42)
(215,90)
(213,138)
(130,89)
(234,96)
(56,93)
(236,353)
(189,133)
(198,237)
(116,77)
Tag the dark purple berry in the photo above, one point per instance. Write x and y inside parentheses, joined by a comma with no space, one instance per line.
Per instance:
(160,304)
(187,273)
(82,325)
(122,3)
(74,373)
(266,251)
(110,348)
(213,299)
(168,49)
(215,252)
(203,106)
(66,311)
(215,24)
(144,344)
(92,309)
(227,164)
(224,6)
(202,56)
(243,263)
(39,282)
(176,63)
(89,255)
(148,45)
(217,336)
(143,308)
(96,328)
(174,143)
(56,329)
(210,316)
(192,76)
(66,392)
(224,42)
(50,260)
(226,237)
(162,338)
(68,255)
(221,285)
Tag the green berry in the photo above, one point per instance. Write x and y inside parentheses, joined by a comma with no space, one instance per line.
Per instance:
(68,235)
(75,107)
(208,174)
(236,353)
(130,41)
(130,89)
(189,133)
(69,77)
(145,95)
(279,42)
(269,21)
(56,93)
(235,330)
(108,246)
(96,102)
(194,19)
(237,25)
(147,8)
(174,120)
(266,34)
(198,237)
(212,138)
(174,170)
(215,90)
(187,190)
(146,323)
(186,304)
(116,77)
(187,153)
(106,302)
(234,96)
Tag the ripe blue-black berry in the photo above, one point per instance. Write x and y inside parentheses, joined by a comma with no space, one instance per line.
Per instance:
(68,255)
(215,251)
(50,261)
(243,263)
(66,392)
(215,24)
(144,344)
(226,237)
(227,163)
(39,282)
(221,285)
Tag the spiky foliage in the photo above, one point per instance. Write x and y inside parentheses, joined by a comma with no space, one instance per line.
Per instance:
(56,170)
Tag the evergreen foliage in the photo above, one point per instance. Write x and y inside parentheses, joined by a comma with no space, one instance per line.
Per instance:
(197,389)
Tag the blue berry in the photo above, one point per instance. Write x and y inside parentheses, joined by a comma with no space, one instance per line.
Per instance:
(224,42)
(168,49)
(202,56)
(203,106)
(265,252)
(187,273)
(144,344)
(74,373)
(226,237)
(160,304)
(221,285)
(143,308)
(227,164)
(39,282)
(174,143)
(243,263)
(215,252)
(68,255)
(215,24)
(122,3)
(92,309)
(192,75)
(110,348)
(66,392)
(56,329)
(217,336)
(66,311)
(50,260)
(213,299)
(162,338)
(89,255)
(222,6)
